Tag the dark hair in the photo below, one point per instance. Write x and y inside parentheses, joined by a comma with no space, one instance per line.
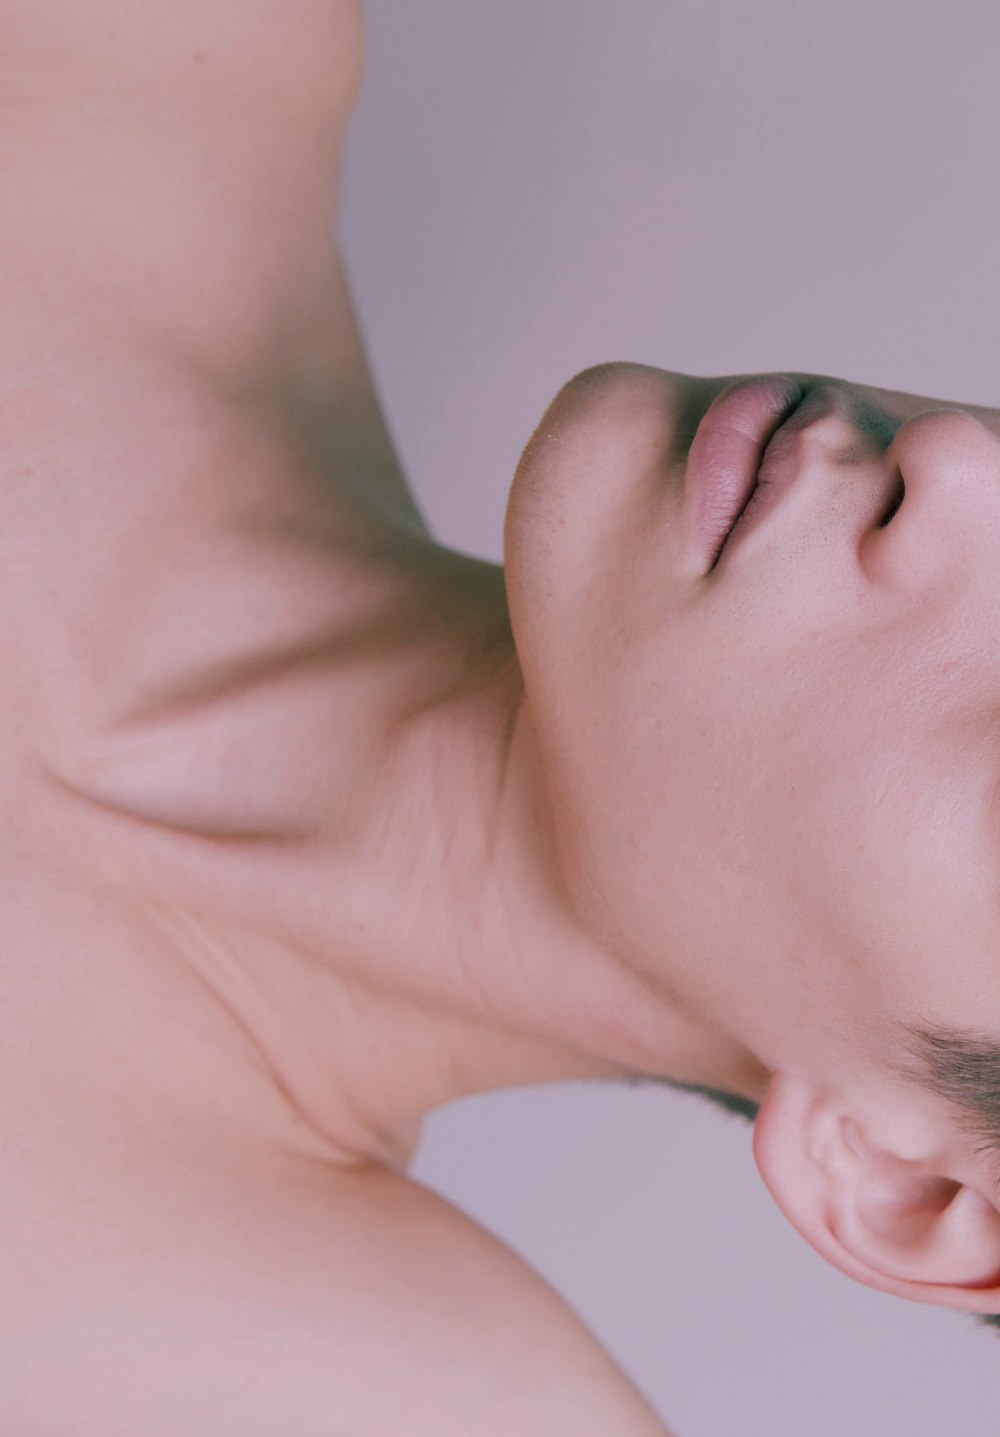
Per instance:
(960,1068)
(731,1102)
(963,1070)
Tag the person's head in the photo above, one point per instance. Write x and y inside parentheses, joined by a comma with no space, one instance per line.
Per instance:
(777,781)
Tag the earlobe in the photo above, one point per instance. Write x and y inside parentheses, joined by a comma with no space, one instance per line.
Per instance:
(891,1222)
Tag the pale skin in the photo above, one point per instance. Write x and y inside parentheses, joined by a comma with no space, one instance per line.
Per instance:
(314,825)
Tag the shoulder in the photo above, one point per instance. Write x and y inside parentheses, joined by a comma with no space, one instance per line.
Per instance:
(315,1302)
(481,1342)
(170,187)
(166,264)
(59,43)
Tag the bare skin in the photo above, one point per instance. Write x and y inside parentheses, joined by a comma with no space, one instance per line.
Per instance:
(312,824)
(231,645)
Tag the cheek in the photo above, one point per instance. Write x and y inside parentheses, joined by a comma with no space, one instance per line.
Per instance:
(657,792)
(701,776)
(685,792)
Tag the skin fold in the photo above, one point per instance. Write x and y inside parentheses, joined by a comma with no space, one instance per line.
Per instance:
(313,824)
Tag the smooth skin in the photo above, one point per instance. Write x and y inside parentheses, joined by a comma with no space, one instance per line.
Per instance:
(313,825)
(231,659)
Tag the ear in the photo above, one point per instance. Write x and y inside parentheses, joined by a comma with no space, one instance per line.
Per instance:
(887,1220)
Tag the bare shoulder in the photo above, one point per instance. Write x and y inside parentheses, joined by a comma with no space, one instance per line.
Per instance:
(170,178)
(178,349)
(313,1302)
(482,1342)
(278,43)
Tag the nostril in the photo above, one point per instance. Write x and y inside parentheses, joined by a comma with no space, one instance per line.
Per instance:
(895,500)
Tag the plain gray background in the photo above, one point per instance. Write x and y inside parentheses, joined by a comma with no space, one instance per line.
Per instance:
(531,187)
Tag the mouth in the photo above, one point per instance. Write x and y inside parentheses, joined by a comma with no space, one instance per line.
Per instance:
(726,457)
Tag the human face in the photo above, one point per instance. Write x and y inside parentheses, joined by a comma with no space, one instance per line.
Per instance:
(775,781)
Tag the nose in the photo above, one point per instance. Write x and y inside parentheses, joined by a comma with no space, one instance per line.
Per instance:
(941,438)
(942,500)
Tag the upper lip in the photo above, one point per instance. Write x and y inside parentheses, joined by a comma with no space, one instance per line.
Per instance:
(768,443)
(727,451)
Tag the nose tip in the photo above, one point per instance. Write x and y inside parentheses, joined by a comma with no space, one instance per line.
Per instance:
(941,502)
(944,441)
(944,421)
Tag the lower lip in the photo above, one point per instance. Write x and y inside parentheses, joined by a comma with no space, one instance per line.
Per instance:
(725,455)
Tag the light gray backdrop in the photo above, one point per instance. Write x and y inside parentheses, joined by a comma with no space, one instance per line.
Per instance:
(536,185)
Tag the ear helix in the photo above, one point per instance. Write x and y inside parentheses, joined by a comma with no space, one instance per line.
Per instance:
(914,1226)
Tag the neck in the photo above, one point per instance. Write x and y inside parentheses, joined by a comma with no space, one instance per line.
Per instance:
(408,942)
(430,951)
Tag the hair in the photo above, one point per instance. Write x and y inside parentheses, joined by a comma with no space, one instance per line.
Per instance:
(731,1102)
(962,1069)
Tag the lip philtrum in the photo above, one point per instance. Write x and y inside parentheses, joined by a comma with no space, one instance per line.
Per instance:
(726,453)
(780,464)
